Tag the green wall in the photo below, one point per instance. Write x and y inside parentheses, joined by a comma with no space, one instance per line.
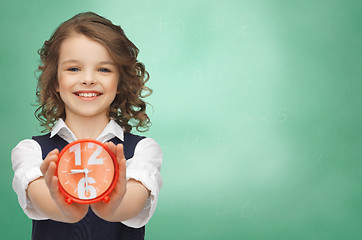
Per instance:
(256,104)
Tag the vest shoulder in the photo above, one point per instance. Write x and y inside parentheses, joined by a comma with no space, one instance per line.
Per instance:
(40,137)
(132,139)
(48,143)
(130,142)
(133,136)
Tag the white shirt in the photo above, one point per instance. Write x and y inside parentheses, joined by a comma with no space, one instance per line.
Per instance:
(144,166)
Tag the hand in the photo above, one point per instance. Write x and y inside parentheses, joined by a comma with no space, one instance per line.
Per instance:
(73,212)
(107,210)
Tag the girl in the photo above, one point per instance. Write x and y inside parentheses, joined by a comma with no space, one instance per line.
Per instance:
(90,86)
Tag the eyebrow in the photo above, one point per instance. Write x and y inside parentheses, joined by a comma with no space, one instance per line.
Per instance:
(76,61)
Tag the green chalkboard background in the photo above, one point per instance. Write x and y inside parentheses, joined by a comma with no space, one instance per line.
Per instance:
(256,104)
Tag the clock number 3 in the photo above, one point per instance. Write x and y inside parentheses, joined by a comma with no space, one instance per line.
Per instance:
(93,159)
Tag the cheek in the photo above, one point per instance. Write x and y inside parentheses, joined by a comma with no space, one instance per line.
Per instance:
(59,83)
(115,86)
(60,88)
(64,82)
(63,88)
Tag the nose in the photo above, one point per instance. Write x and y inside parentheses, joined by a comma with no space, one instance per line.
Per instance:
(88,79)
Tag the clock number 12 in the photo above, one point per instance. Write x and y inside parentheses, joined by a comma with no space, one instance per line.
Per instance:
(93,159)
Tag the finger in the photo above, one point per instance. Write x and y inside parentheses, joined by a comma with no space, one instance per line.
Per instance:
(54,191)
(119,152)
(53,185)
(48,158)
(121,162)
(50,173)
(111,146)
(122,169)
(45,165)
(55,151)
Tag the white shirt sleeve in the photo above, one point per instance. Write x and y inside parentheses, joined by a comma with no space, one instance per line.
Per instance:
(145,166)
(26,159)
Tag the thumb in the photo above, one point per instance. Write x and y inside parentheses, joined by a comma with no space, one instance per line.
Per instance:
(121,161)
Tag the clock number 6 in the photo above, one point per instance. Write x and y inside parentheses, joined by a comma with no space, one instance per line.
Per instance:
(82,189)
(93,160)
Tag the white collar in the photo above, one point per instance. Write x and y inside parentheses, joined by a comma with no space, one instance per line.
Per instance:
(110,131)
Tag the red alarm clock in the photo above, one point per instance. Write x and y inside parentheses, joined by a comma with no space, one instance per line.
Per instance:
(87,171)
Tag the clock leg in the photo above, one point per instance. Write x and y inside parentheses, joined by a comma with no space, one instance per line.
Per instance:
(68,200)
(106,199)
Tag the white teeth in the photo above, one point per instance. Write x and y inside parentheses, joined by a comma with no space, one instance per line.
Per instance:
(88,94)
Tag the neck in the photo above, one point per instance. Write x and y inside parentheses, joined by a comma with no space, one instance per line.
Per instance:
(86,127)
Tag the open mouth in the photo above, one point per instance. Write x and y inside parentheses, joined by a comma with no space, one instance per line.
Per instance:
(88,94)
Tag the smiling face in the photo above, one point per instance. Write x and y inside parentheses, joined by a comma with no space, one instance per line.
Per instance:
(87,77)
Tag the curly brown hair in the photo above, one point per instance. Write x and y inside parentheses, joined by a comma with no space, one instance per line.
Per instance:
(128,109)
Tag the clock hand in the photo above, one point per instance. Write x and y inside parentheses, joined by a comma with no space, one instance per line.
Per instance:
(76,171)
(86,171)
(73,171)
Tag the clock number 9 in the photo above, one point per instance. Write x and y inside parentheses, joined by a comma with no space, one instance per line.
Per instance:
(93,160)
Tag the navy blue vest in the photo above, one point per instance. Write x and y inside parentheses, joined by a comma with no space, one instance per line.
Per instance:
(91,227)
